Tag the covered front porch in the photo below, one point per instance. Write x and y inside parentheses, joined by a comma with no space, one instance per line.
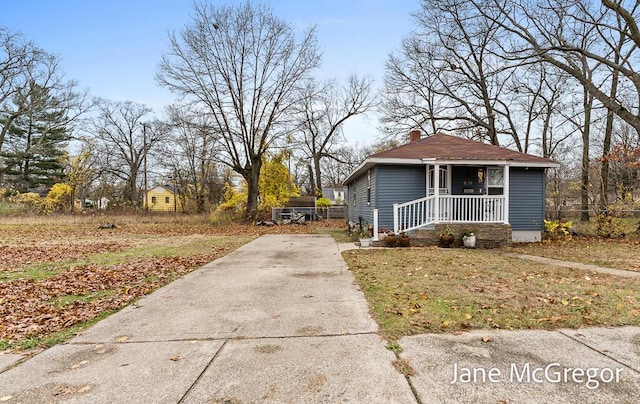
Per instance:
(462,193)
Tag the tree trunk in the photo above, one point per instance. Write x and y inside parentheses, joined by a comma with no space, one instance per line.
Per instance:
(252,177)
(318,188)
(584,189)
(606,148)
(312,185)
(133,191)
(493,136)
(200,203)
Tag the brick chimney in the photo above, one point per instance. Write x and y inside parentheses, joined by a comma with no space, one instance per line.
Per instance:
(414,135)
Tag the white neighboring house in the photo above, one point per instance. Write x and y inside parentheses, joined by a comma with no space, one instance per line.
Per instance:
(337,195)
(101,203)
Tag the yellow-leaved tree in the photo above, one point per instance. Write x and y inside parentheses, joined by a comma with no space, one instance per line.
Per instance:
(58,199)
(276,187)
(276,184)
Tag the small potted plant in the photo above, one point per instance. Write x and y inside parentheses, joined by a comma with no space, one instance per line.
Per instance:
(390,240)
(383,232)
(404,240)
(364,236)
(446,237)
(469,238)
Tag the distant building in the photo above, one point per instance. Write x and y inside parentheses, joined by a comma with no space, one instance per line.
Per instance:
(162,199)
(87,203)
(337,195)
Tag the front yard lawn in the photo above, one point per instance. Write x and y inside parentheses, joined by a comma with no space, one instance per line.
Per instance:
(431,289)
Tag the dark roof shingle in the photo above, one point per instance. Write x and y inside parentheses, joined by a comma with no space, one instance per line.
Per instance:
(446,147)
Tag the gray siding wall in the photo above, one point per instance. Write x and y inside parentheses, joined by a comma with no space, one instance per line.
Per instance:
(526,198)
(397,184)
(358,187)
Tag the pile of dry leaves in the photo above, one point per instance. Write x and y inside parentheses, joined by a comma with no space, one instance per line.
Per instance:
(14,256)
(39,308)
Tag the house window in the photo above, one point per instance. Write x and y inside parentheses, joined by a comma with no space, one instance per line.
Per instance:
(443,179)
(153,200)
(166,199)
(354,194)
(495,180)
(369,188)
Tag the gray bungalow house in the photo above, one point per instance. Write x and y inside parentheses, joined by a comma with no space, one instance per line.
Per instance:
(477,184)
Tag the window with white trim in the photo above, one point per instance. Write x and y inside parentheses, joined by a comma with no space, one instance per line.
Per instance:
(495,180)
(443,180)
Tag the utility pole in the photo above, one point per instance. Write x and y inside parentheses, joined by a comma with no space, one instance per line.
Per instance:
(175,190)
(144,140)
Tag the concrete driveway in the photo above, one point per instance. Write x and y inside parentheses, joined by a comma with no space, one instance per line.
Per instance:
(278,320)
(281,320)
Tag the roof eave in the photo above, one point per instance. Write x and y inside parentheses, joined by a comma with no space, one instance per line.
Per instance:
(372,161)
(512,163)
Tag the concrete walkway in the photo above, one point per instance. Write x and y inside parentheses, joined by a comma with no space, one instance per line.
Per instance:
(281,320)
(576,265)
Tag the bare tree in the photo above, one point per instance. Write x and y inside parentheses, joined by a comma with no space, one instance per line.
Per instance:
(545,31)
(324,109)
(446,74)
(18,69)
(83,170)
(624,162)
(190,156)
(620,53)
(540,96)
(347,157)
(243,66)
(124,134)
(408,99)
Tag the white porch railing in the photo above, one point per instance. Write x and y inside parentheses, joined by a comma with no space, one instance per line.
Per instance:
(413,214)
(451,209)
(472,209)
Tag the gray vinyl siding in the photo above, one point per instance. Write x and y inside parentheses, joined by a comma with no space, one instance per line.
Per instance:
(397,184)
(526,199)
(361,207)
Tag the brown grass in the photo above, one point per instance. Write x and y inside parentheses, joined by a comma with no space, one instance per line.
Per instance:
(67,272)
(419,290)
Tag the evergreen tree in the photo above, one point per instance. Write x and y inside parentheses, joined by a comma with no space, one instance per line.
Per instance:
(33,157)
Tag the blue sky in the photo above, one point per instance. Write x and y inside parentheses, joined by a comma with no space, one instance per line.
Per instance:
(113,47)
